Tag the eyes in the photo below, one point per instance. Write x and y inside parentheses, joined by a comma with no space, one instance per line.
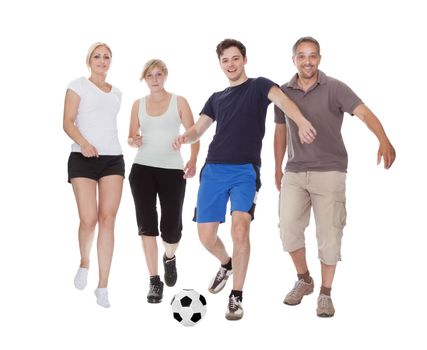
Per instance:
(233,59)
(98,56)
(301,57)
(154,75)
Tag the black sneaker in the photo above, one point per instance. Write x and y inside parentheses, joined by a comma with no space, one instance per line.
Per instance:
(171,274)
(234,309)
(155,294)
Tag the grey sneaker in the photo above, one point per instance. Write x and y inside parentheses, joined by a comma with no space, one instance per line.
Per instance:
(155,293)
(325,307)
(218,282)
(300,289)
(171,274)
(234,309)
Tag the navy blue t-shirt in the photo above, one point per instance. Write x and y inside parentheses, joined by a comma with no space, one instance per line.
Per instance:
(239,112)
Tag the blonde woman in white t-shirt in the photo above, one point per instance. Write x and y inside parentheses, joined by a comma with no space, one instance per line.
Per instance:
(95,164)
(158,172)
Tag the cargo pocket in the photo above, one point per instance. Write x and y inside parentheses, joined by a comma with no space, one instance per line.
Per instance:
(340,214)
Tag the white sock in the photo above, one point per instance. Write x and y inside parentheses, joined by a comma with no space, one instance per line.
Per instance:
(170,249)
(80,280)
(102,297)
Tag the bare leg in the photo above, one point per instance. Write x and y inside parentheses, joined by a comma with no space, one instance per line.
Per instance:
(241,247)
(299,259)
(328,273)
(85,193)
(110,192)
(149,245)
(210,240)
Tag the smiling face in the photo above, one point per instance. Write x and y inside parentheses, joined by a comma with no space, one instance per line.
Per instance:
(307,59)
(232,64)
(100,60)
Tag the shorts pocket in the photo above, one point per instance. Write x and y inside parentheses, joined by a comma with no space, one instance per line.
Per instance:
(340,214)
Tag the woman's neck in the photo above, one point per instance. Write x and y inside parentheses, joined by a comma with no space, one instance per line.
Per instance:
(159,96)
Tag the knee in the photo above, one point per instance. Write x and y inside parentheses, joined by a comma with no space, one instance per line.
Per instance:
(106,219)
(208,240)
(88,223)
(240,234)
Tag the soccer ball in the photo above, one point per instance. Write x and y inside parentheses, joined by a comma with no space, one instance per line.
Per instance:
(188,307)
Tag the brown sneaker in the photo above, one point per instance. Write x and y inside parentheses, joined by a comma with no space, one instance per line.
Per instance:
(325,307)
(300,289)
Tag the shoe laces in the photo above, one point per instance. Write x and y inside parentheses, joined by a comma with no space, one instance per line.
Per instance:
(233,303)
(154,288)
(220,275)
(324,301)
(170,264)
(298,285)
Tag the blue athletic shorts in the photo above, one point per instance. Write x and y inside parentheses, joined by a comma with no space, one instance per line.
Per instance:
(218,183)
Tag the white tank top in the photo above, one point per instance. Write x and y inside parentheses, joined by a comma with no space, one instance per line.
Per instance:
(158,133)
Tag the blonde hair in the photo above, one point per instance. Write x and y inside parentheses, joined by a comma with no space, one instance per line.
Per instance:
(154,63)
(92,48)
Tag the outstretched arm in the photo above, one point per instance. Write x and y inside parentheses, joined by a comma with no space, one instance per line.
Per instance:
(385,150)
(279,152)
(194,133)
(306,131)
(188,121)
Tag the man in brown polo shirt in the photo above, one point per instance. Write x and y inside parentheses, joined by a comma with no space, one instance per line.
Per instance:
(315,173)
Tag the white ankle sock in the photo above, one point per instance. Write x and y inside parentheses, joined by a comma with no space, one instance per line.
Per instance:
(80,280)
(102,297)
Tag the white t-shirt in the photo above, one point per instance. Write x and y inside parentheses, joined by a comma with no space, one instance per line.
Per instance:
(158,133)
(97,116)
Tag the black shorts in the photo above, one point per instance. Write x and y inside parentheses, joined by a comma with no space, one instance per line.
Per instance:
(94,167)
(146,184)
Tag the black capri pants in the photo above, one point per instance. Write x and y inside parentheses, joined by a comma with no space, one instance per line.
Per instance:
(146,184)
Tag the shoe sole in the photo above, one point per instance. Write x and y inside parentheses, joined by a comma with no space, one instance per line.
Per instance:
(213,291)
(325,315)
(153,301)
(233,318)
(284,302)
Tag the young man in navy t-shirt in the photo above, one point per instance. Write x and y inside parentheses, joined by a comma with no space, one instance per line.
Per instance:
(233,162)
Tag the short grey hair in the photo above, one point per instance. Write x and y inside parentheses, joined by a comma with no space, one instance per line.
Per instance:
(305,39)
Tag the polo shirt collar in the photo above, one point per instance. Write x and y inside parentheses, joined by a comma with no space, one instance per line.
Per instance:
(293,83)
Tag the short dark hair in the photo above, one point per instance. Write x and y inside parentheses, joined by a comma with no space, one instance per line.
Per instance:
(227,43)
(305,39)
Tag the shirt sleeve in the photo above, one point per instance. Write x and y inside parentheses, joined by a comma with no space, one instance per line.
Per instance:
(279,116)
(209,108)
(264,85)
(77,86)
(346,99)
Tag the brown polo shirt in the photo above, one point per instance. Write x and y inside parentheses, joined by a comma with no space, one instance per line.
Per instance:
(323,105)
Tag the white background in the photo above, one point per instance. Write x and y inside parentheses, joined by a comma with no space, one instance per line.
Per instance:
(377,48)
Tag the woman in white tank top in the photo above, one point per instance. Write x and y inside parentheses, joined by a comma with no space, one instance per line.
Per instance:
(159,172)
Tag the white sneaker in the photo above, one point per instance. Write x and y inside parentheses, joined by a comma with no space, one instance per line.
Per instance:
(80,280)
(218,282)
(234,309)
(102,297)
